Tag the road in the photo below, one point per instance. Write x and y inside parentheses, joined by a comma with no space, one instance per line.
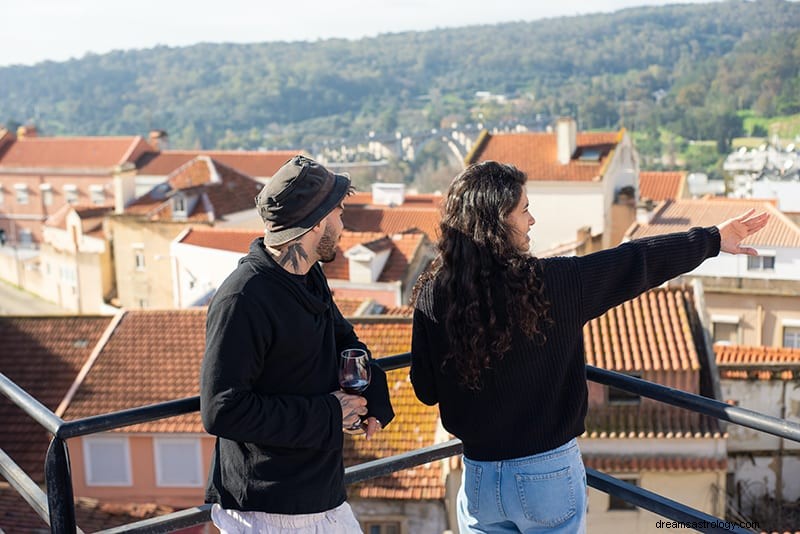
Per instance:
(14,301)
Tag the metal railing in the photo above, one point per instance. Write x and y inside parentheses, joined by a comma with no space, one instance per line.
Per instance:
(57,508)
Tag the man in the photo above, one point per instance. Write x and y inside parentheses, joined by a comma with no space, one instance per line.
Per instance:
(269,381)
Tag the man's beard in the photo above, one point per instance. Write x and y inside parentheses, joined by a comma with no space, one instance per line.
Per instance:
(326,248)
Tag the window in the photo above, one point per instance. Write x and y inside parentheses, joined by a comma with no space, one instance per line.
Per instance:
(619,396)
(2,195)
(25,238)
(107,460)
(70,193)
(725,329)
(179,206)
(760,263)
(97,194)
(616,503)
(142,303)
(138,256)
(23,196)
(791,337)
(382,527)
(47,194)
(178,462)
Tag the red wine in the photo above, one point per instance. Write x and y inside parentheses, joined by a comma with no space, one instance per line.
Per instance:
(354,387)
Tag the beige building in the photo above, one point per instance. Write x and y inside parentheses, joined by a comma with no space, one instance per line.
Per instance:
(750,300)
(200,192)
(75,259)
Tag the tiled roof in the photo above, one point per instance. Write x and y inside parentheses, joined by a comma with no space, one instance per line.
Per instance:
(648,421)
(230,239)
(433,200)
(42,355)
(226,189)
(16,515)
(757,363)
(680,215)
(661,185)
(349,307)
(403,249)
(71,152)
(393,220)
(152,356)
(536,154)
(649,333)
(399,311)
(414,426)
(252,163)
(91,217)
(625,463)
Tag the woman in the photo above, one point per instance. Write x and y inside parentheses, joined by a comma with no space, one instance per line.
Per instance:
(498,344)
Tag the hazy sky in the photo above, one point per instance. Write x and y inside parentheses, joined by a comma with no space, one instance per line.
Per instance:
(38,30)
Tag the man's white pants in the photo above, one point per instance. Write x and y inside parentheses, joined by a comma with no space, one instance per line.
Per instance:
(339,520)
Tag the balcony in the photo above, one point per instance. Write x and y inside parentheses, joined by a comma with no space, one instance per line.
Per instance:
(57,508)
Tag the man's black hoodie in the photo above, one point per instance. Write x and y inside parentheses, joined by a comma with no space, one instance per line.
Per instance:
(271,360)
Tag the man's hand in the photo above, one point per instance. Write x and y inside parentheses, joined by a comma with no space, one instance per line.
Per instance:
(353,407)
(733,231)
(373,426)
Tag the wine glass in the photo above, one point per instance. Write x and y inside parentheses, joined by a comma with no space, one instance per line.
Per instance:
(354,376)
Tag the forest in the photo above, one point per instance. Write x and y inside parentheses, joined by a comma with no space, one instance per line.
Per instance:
(695,71)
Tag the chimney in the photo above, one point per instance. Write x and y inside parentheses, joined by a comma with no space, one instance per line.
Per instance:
(27,130)
(566,133)
(124,186)
(159,139)
(384,194)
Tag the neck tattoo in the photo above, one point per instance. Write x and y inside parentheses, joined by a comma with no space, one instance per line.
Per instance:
(293,254)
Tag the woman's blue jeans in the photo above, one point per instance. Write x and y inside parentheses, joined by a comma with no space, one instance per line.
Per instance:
(545,492)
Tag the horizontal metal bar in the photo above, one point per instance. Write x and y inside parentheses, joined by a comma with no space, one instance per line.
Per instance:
(38,411)
(398,462)
(165,523)
(696,403)
(25,486)
(132,416)
(673,510)
(398,361)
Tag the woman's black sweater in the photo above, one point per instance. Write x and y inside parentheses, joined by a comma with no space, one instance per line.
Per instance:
(534,398)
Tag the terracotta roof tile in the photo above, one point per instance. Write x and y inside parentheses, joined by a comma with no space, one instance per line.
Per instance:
(230,239)
(399,311)
(393,220)
(16,515)
(349,307)
(42,355)
(403,249)
(226,190)
(652,332)
(661,185)
(535,154)
(759,363)
(91,216)
(72,152)
(680,215)
(649,421)
(433,200)
(152,356)
(252,163)
(415,424)
(633,464)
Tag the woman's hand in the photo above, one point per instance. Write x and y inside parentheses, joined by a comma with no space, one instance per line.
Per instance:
(733,231)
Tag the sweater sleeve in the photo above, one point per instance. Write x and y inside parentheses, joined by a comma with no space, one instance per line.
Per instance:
(237,340)
(422,369)
(610,277)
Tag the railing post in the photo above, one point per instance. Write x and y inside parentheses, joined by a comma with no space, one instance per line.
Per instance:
(59,488)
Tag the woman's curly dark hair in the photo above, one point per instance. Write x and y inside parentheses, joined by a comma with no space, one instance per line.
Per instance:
(477,257)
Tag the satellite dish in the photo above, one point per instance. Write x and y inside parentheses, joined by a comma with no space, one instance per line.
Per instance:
(790,147)
(788,164)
